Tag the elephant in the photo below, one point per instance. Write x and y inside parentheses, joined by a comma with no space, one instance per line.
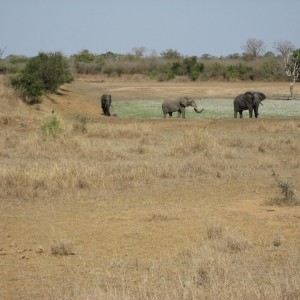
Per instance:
(248,101)
(105,104)
(178,104)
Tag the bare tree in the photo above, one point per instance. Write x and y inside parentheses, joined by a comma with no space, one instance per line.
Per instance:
(2,67)
(254,47)
(2,51)
(284,48)
(292,68)
(139,51)
(291,62)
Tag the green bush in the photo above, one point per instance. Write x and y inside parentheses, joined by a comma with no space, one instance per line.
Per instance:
(52,127)
(46,71)
(269,70)
(17,59)
(43,73)
(188,66)
(239,71)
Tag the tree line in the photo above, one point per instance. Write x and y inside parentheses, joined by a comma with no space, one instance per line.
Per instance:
(45,72)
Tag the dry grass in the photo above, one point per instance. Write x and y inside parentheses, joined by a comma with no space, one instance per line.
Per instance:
(62,248)
(287,193)
(155,210)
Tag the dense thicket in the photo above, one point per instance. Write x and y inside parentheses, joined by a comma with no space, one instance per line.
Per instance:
(168,65)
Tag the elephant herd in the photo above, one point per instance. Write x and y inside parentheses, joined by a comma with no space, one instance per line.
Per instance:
(248,101)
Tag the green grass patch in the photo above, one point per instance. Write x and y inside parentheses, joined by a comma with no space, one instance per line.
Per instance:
(213,109)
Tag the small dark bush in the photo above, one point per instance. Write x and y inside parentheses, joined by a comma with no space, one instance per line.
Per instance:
(288,196)
(62,248)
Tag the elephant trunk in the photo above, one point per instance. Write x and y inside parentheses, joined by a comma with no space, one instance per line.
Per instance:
(197,110)
(194,105)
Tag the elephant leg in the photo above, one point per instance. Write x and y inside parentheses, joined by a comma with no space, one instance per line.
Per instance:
(103,109)
(241,114)
(178,114)
(170,114)
(250,113)
(107,111)
(183,113)
(235,114)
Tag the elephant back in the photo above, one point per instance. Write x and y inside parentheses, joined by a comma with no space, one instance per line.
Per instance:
(106,98)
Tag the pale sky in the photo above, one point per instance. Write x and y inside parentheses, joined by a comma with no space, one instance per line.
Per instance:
(191,27)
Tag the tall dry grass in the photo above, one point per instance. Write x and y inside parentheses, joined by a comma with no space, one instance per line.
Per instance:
(121,156)
(9,101)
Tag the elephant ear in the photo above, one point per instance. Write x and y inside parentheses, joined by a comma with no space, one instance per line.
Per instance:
(260,96)
(184,101)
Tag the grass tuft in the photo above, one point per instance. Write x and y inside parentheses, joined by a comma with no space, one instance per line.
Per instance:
(215,232)
(288,196)
(62,248)
(80,122)
(52,127)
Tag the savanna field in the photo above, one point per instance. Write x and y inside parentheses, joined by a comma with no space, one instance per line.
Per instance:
(134,206)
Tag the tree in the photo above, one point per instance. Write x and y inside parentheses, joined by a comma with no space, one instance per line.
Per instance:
(192,68)
(284,48)
(206,56)
(43,73)
(139,51)
(84,56)
(254,47)
(292,68)
(170,54)
(2,52)
(290,62)
(2,67)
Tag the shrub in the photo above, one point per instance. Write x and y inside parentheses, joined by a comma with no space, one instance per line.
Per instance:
(239,71)
(43,73)
(215,232)
(288,196)
(52,127)
(62,248)
(162,77)
(80,123)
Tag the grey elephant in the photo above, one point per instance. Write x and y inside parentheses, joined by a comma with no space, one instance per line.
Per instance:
(178,105)
(248,101)
(105,104)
